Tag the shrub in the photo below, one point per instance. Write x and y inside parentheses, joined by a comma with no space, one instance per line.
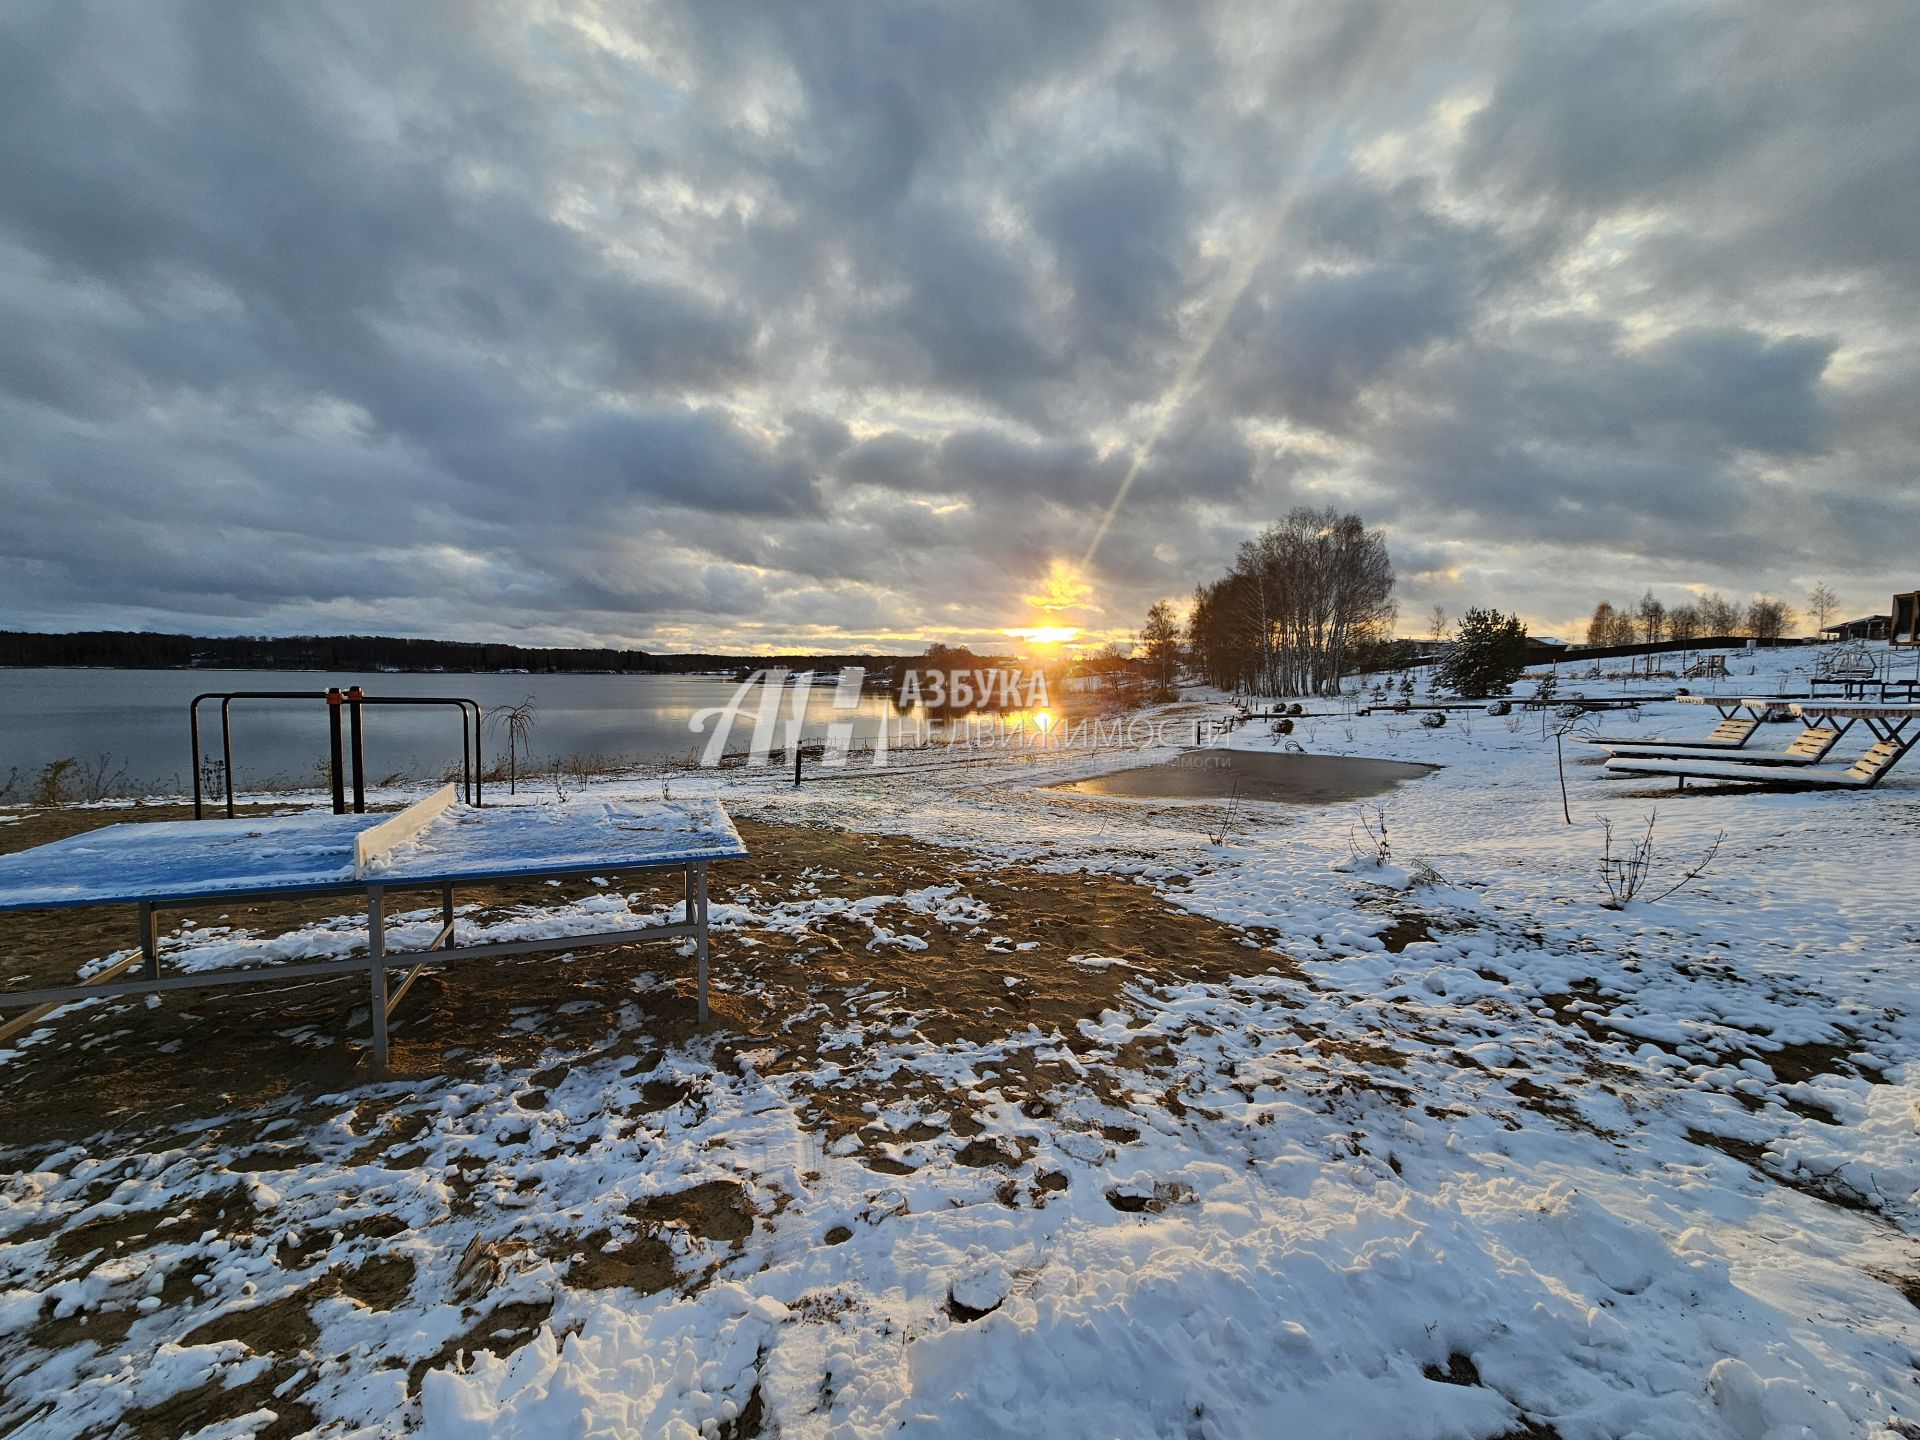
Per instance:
(51,788)
(1434,719)
(1625,873)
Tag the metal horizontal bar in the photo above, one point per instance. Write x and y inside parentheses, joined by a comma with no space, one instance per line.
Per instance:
(40,1012)
(66,994)
(357,965)
(398,882)
(534,947)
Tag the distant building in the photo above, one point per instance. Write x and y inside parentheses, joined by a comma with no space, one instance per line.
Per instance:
(1905,627)
(1867,627)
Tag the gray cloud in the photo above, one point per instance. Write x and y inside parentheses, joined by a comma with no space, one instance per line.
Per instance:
(732,324)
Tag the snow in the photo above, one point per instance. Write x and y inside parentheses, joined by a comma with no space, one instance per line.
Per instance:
(185,860)
(1648,1171)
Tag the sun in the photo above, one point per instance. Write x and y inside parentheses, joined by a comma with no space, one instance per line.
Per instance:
(1044,634)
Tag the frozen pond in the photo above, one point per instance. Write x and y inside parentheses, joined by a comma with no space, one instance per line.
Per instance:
(1223,774)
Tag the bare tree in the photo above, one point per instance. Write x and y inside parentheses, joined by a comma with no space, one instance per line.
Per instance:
(1160,644)
(517,721)
(1311,589)
(1437,624)
(1652,615)
(1683,626)
(1600,627)
(1719,615)
(1768,618)
(1821,603)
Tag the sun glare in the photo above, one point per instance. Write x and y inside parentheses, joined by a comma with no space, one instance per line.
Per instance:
(1062,588)
(1044,634)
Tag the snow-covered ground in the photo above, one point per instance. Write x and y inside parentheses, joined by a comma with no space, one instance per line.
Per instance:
(1461,1152)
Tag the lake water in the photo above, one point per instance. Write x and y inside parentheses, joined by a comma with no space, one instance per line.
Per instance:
(139,719)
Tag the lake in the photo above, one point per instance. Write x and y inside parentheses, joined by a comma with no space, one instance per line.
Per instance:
(138,718)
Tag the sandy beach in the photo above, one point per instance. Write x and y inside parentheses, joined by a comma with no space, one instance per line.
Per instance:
(1006,1081)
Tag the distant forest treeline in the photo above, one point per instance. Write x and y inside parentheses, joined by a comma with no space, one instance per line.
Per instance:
(137,650)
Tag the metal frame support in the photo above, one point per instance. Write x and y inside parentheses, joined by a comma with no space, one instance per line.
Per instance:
(472,718)
(700,940)
(382,998)
(149,943)
(334,700)
(357,734)
(694,878)
(226,750)
(377,968)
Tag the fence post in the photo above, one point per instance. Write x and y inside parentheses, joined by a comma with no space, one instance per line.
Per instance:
(334,699)
(354,696)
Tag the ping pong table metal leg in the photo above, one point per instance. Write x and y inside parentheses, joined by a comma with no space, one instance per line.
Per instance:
(377,970)
(699,917)
(149,943)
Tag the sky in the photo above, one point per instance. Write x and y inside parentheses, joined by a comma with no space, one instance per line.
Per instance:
(852,326)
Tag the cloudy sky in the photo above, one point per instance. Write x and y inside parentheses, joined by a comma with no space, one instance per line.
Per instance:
(843,325)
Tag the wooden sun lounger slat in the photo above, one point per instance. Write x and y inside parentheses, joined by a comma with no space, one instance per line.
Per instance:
(1734,770)
(1868,770)
(1727,735)
(1809,748)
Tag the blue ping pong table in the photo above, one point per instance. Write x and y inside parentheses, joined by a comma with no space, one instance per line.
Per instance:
(194,862)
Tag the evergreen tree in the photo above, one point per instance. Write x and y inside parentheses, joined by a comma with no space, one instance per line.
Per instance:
(1489,652)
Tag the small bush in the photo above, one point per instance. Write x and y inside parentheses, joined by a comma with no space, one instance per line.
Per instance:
(51,788)
(1434,719)
(72,781)
(1625,873)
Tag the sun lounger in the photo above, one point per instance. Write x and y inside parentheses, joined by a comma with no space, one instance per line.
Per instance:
(1864,772)
(1727,735)
(1740,716)
(1809,748)
(1892,725)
